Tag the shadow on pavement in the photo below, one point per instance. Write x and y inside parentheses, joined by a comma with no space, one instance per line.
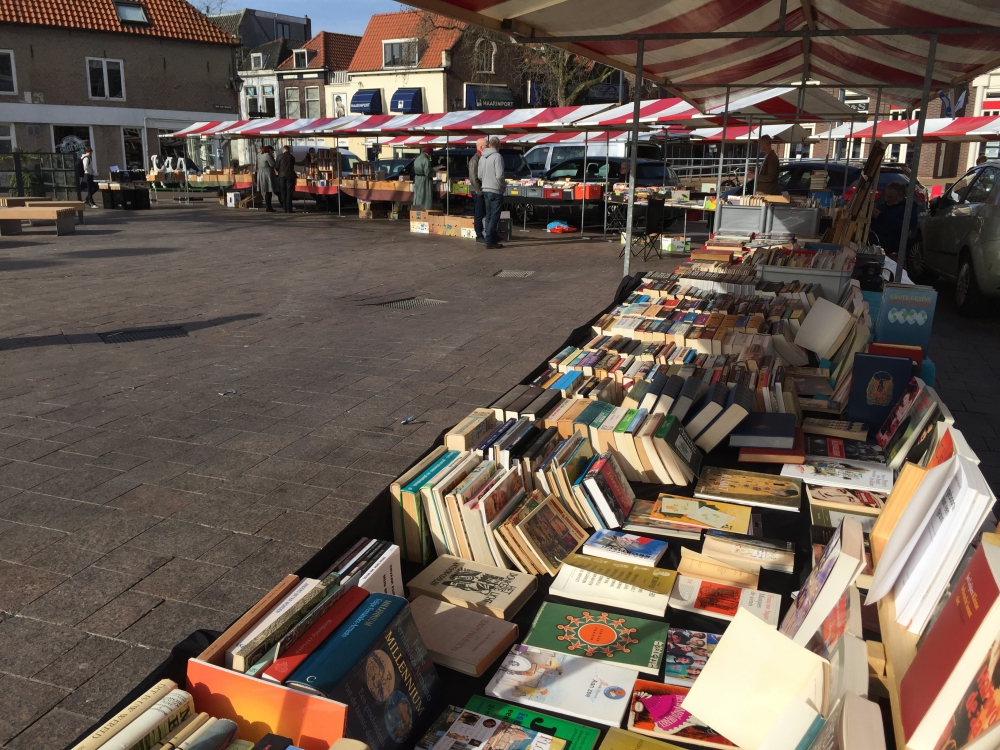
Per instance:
(27,265)
(125,252)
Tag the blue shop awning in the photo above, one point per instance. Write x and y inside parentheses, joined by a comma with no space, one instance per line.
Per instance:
(367,102)
(407,102)
(489,97)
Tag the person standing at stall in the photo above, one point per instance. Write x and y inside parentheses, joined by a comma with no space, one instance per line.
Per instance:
(265,177)
(478,202)
(423,180)
(494,186)
(89,173)
(285,165)
(766,181)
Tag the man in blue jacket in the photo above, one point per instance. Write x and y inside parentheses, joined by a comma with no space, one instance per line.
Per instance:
(494,186)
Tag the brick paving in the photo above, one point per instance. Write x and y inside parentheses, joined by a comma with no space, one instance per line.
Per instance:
(137,504)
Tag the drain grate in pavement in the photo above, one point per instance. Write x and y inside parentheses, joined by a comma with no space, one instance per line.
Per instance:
(513,274)
(411,303)
(143,334)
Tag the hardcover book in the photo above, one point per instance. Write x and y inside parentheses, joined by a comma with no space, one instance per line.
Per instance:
(877,383)
(765,430)
(484,588)
(906,315)
(630,641)
(576,736)
(687,653)
(658,711)
(749,488)
(553,681)
(460,639)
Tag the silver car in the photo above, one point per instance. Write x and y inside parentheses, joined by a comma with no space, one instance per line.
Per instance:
(959,239)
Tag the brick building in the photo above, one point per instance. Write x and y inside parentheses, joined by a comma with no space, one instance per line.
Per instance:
(109,73)
(311,71)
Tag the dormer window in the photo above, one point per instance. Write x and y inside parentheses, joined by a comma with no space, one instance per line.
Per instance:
(301,58)
(131,13)
(400,53)
(256,61)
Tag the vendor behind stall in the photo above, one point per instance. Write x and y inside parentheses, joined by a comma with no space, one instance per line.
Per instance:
(887,216)
(766,180)
(423,180)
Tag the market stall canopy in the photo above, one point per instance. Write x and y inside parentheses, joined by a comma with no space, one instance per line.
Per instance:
(538,118)
(936,130)
(700,46)
(651,112)
(784,105)
(783,133)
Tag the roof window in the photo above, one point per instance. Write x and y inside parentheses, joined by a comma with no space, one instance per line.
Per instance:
(131,13)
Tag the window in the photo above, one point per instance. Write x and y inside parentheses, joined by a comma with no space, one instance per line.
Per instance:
(256,61)
(959,190)
(269,108)
(106,78)
(292,108)
(536,158)
(400,53)
(6,139)
(562,153)
(312,101)
(8,81)
(253,104)
(132,142)
(282,31)
(567,170)
(485,54)
(301,58)
(131,13)
(981,189)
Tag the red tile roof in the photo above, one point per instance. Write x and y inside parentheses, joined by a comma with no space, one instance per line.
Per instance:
(333,51)
(174,19)
(443,35)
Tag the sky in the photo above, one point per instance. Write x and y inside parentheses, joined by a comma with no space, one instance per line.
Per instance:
(341,16)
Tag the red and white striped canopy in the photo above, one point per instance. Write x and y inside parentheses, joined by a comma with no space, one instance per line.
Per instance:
(783,133)
(936,130)
(782,104)
(703,67)
(651,112)
(217,127)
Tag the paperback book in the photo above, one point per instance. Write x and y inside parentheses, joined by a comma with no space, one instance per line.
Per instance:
(723,601)
(474,730)
(749,488)
(615,545)
(846,474)
(608,583)
(576,736)
(657,710)
(687,653)
(819,446)
(483,588)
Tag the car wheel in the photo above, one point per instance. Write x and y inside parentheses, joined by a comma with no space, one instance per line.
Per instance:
(521,209)
(916,262)
(968,299)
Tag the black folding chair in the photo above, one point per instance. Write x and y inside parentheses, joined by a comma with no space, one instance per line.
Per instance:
(652,229)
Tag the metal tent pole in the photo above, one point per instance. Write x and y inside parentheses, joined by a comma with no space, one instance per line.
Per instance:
(640,48)
(722,153)
(447,175)
(583,202)
(911,185)
(607,176)
(829,145)
(847,163)
(746,164)
(878,106)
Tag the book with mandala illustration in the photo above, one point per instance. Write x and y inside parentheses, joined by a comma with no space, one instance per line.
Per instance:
(627,640)
(658,711)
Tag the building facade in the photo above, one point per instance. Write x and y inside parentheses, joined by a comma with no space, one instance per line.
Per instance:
(110,74)
(311,71)
(256,27)
(259,75)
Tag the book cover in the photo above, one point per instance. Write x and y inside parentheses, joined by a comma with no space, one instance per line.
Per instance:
(474,730)
(818,446)
(765,430)
(459,638)
(687,653)
(703,514)
(607,583)
(484,588)
(617,545)
(657,710)
(619,739)
(859,502)
(437,730)
(906,315)
(977,709)
(554,681)
(551,533)
(877,383)
(392,686)
(722,600)
(749,488)
(898,414)
(829,473)
(627,640)
(576,736)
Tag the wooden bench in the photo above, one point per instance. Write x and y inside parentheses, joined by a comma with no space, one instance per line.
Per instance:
(77,206)
(18,202)
(11,218)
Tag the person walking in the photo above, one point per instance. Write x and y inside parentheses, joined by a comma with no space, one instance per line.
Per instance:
(494,186)
(265,177)
(285,166)
(89,173)
(423,180)
(478,202)
(766,180)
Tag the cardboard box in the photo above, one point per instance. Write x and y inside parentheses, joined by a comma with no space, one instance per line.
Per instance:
(468,233)
(675,245)
(451,229)
(420,227)
(233,199)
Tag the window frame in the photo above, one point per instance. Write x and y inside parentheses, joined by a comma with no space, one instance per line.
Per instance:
(256,61)
(104,67)
(479,57)
(298,102)
(13,73)
(136,5)
(415,42)
(295,59)
(307,101)
(12,138)
(280,27)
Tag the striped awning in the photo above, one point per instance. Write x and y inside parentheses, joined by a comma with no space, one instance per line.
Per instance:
(782,133)
(936,130)
(652,112)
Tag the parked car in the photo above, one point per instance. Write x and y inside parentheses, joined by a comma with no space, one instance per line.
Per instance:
(893,173)
(393,167)
(959,239)
(649,172)
(542,158)
(457,160)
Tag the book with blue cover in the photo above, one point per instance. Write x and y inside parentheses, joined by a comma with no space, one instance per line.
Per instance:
(630,548)
(906,315)
(878,382)
(765,430)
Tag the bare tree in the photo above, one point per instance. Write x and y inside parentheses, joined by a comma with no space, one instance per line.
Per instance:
(211,7)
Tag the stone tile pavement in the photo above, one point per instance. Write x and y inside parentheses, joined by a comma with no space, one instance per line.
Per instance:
(149,489)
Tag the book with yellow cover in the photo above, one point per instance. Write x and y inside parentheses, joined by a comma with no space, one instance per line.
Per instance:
(619,739)
(610,583)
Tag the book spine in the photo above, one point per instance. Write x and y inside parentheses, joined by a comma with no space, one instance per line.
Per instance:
(126,716)
(155,723)
(251,653)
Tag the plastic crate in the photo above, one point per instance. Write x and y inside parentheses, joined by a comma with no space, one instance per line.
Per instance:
(514,190)
(833,282)
(802,222)
(590,192)
(552,194)
(567,194)
(534,192)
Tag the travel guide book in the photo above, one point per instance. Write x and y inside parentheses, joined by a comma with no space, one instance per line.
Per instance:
(749,488)
(628,640)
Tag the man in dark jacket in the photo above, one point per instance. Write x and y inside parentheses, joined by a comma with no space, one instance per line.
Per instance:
(285,165)
(479,203)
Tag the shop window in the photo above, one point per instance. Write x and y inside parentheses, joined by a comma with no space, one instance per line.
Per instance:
(292,109)
(301,58)
(131,13)
(8,79)
(70,139)
(485,55)
(132,143)
(256,61)
(106,78)
(6,138)
(312,101)
(400,53)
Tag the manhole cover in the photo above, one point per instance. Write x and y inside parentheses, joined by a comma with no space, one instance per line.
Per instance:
(143,334)
(411,303)
(513,274)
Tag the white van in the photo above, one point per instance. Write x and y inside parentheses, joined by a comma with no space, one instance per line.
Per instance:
(542,158)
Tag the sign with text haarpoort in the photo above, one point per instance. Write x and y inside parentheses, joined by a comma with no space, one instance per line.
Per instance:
(906,315)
